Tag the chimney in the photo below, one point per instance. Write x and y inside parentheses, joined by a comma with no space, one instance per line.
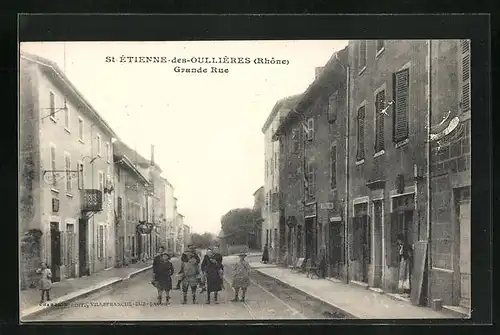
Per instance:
(317,71)
(152,154)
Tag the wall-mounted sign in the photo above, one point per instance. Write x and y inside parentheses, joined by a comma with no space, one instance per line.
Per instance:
(450,128)
(310,210)
(326,205)
(92,200)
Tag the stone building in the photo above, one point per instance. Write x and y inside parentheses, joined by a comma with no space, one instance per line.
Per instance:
(272,226)
(66,160)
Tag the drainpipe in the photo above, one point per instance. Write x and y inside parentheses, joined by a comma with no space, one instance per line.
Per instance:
(347,186)
(428,152)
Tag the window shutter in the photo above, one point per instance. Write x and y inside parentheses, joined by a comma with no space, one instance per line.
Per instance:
(395,230)
(310,129)
(400,115)
(333,104)
(362,54)
(465,46)
(361,133)
(334,167)
(365,233)
(352,239)
(379,117)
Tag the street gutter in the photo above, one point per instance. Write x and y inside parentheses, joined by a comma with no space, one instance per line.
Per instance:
(65,299)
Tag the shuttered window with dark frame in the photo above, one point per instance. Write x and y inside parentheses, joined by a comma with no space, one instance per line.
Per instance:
(401,80)
(333,104)
(362,54)
(311,180)
(120,207)
(333,173)
(465,88)
(295,141)
(379,121)
(360,155)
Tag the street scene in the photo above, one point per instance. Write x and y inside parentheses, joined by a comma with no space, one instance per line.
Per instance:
(249,180)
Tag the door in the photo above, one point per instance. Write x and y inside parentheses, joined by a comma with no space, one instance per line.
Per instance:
(309,239)
(335,230)
(366,247)
(55,247)
(82,247)
(70,250)
(464,218)
(377,243)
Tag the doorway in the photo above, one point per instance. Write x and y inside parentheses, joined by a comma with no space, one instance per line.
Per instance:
(335,232)
(70,255)
(82,246)
(55,247)
(377,243)
(464,222)
(310,239)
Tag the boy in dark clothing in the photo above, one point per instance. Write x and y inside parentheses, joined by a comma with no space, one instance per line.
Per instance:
(156,260)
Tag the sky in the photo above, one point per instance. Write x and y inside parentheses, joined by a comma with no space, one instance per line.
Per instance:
(206,128)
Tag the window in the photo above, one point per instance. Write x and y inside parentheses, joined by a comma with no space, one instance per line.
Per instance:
(333,105)
(66,118)
(295,141)
(53,165)
(362,54)
(360,155)
(267,173)
(67,167)
(276,161)
(143,213)
(81,175)
(379,121)
(127,210)
(101,181)
(380,46)
(118,174)
(52,105)
(311,180)
(108,152)
(119,207)
(133,245)
(80,128)
(310,129)
(333,177)
(271,165)
(100,241)
(465,47)
(401,108)
(98,144)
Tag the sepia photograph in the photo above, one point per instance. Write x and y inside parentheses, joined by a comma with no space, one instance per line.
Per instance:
(244,180)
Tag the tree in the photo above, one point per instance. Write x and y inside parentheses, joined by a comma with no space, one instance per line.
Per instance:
(241,225)
(202,240)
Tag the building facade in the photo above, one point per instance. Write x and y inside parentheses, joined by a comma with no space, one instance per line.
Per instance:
(66,152)
(187,235)
(130,204)
(272,226)
(170,242)
(312,139)
(258,206)
(179,221)
(395,86)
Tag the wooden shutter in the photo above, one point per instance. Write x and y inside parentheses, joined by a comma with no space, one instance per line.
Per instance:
(334,167)
(394,231)
(362,54)
(465,47)
(365,237)
(379,117)
(361,134)
(333,104)
(353,236)
(310,129)
(401,108)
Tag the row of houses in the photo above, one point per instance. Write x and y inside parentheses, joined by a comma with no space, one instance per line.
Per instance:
(88,202)
(378,145)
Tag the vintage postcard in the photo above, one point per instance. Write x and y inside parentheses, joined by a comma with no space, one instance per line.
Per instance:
(245,180)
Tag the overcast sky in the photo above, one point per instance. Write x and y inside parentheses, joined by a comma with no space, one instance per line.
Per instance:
(206,127)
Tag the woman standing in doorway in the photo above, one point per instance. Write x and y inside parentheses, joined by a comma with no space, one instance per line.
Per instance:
(405,258)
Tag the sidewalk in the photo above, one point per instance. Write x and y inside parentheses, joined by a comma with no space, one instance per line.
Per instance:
(71,289)
(352,299)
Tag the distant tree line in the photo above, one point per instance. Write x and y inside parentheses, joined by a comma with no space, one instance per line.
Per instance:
(242,226)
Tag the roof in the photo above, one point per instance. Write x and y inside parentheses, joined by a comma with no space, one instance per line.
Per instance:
(179,214)
(260,188)
(287,102)
(124,160)
(59,75)
(331,75)
(166,181)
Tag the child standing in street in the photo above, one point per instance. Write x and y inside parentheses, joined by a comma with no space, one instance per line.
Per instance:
(241,278)
(190,278)
(45,281)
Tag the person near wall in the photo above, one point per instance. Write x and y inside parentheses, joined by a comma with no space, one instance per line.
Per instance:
(265,254)
(163,270)
(45,281)
(213,270)
(405,259)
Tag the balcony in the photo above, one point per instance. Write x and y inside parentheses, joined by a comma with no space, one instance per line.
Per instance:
(91,200)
